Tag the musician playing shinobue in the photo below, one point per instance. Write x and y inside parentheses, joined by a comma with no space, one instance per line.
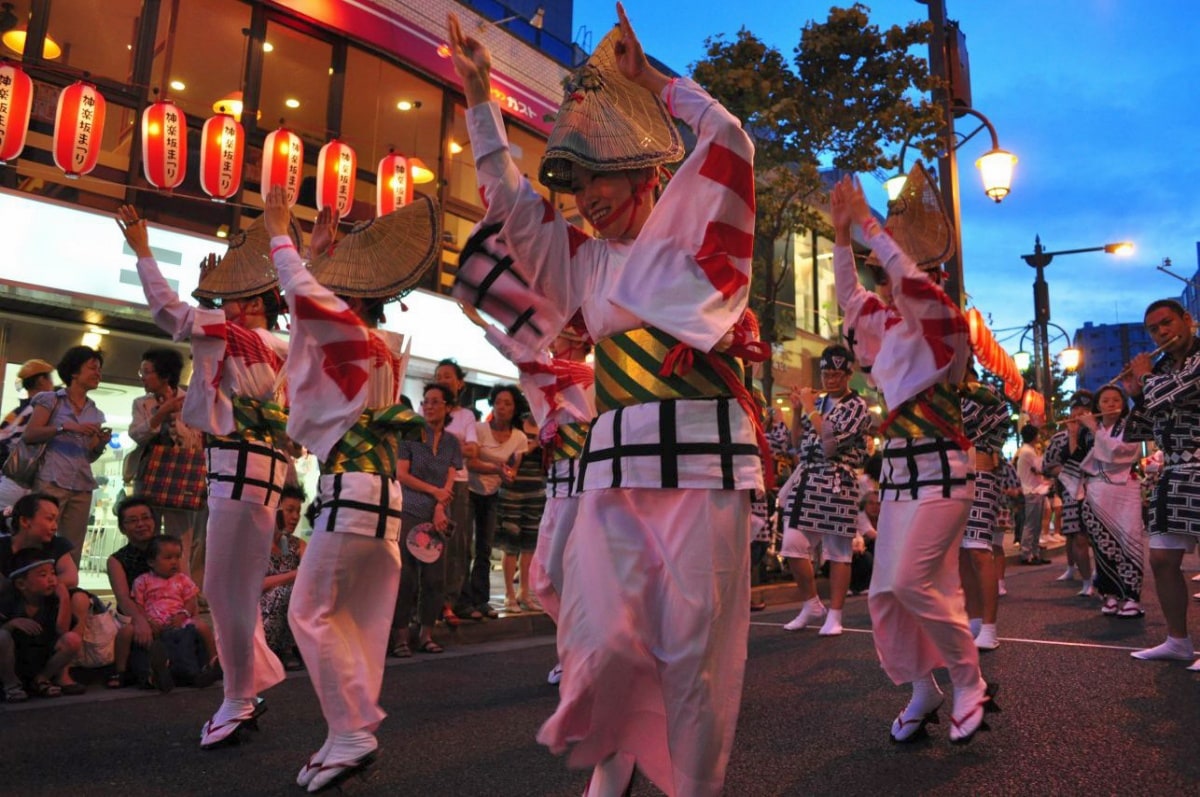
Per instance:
(1166,395)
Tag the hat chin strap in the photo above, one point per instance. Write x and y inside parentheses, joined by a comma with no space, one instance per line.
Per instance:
(630,204)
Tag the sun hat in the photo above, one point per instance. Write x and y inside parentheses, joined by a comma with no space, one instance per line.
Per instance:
(384,257)
(917,221)
(34,367)
(607,123)
(25,560)
(246,269)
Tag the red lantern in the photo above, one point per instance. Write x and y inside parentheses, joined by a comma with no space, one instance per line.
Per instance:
(222,146)
(16,103)
(164,145)
(393,184)
(78,128)
(283,161)
(974,325)
(337,166)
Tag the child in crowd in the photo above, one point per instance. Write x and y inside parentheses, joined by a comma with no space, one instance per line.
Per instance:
(170,600)
(36,640)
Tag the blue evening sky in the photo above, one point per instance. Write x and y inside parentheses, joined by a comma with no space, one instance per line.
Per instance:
(1091,95)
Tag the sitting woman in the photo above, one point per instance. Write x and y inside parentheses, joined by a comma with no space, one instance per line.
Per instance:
(286,551)
(137,521)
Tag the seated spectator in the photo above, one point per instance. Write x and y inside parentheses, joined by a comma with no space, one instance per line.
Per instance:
(169,600)
(33,523)
(36,640)
(286,552)
(137,521)
(35,376)
(862,561)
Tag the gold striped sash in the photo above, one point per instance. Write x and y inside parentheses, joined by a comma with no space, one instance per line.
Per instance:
(568,443)
(372,444)
(628,368)
(258,421)
(935,412)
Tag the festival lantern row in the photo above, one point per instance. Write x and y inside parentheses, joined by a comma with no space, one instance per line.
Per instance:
(990,355)
(79,128)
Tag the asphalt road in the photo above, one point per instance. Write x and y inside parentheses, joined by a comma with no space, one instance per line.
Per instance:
(1080,717)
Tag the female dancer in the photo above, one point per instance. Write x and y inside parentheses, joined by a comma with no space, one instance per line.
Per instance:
(655,601)
(1062,461)
(236,399)
(918,350)
(1112,506)
(345,377)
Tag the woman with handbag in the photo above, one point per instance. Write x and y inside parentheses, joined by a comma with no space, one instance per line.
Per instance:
(72,427)
(238,402)
(170,470)
(34,377)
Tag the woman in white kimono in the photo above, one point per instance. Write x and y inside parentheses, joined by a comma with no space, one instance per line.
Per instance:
(236,399)
(655,600)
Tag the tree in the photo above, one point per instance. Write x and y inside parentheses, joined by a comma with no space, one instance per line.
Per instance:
(851,94)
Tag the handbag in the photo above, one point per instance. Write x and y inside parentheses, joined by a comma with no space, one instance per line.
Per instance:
(173,476)
(25,459)
(99,637)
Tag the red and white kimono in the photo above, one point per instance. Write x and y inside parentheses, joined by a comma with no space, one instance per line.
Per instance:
(918,351)
(245,472)
(560,397)
(655,601)
(342,602)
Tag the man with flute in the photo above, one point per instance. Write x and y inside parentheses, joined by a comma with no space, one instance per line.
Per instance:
(1166,409)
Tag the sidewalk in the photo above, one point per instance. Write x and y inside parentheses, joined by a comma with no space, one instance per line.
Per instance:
(528,624)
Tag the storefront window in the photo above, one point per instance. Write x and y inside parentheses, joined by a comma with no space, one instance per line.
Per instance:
(204,61)
(295,84)
(460,164)
(93,37)
(387,107)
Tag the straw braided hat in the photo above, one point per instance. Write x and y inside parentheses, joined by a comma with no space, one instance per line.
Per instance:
(383,257)
(607,123)
(246,268)
(917,221)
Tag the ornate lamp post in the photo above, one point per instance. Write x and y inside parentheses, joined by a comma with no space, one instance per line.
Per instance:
(1039,259)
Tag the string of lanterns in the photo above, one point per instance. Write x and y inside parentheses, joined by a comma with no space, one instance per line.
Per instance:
(79,129)
(990,355)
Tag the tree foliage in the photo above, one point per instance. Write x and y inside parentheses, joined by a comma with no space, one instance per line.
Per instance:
(848,98)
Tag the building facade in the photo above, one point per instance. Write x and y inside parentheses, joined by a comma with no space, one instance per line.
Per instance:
(374,74)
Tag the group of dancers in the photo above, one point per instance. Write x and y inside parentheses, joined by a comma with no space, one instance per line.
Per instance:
(643,552)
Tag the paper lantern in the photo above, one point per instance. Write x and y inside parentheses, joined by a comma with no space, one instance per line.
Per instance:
(393,184)
(283,161)
(16,103)
(337,166)
(78,128)
(222,147)
(164,145)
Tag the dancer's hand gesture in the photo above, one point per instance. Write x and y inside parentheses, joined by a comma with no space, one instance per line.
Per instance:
(472,62)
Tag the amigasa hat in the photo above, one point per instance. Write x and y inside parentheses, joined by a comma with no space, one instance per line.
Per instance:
(384,257)
(918,223)
(607,123)
(246,269)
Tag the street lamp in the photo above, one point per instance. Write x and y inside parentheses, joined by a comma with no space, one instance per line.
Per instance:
(995,166)
(1041,303)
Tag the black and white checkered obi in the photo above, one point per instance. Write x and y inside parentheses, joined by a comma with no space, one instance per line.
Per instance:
(675,443)
(925,467)
(985,508)
(368,504)
(561,478)
(824,501)
(244,470)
